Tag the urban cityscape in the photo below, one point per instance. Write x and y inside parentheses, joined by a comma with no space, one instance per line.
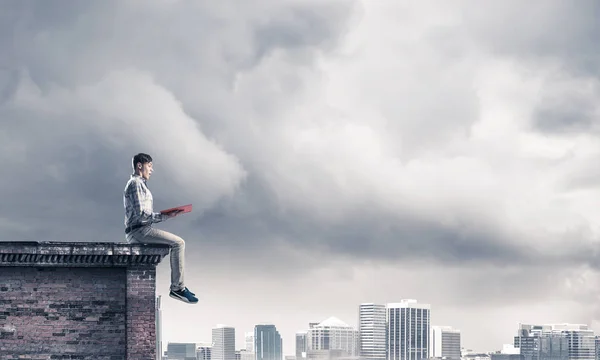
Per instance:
(392,331)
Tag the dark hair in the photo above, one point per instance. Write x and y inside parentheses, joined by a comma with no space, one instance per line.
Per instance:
(140,158)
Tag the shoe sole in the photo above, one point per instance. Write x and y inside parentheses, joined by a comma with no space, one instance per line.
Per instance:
(181,298)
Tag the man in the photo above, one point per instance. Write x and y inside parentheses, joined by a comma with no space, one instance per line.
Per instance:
(139,217)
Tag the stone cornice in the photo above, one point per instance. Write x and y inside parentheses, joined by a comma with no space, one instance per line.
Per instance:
(80,254)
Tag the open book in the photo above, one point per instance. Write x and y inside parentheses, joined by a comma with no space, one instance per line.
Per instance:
(183,208)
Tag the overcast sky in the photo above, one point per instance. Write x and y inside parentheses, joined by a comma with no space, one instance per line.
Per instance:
(335,152)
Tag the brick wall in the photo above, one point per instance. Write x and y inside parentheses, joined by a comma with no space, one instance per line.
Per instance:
(98,304)
(141,315)
(63,311)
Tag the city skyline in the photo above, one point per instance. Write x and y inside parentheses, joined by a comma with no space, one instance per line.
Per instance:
(367,312)
(452,344)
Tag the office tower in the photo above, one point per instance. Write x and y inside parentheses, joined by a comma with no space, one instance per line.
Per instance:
(181,351)
(444,343)
(302,345)
(597,341)
(541,342)
(158,317)
(223,340)
(371,331)
(556,342)
(248,353)
(581,340)
(203,352)
(408,330)
(334,336)
(267,343)
(249,341)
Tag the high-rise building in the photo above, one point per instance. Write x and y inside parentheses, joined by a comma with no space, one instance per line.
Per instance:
(556,342)
(581,340)
(597,347)
(371,331)
(223,343)
(335,336)
(302,345)
(541,342)
(249,336)
(444,343)
(267,343)
(158,329)
(181,351)
(408,327)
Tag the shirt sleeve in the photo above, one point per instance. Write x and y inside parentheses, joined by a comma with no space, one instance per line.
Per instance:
(141,206)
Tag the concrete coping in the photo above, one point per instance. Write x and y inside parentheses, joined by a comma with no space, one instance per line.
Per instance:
(80,254)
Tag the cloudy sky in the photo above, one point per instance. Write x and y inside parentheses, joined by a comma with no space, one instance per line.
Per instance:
(335,151)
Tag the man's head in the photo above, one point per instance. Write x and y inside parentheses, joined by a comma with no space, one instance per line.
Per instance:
(142,165)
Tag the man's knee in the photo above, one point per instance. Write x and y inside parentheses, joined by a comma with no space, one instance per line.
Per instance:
(178,242)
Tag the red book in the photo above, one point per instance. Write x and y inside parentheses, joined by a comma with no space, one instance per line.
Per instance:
(184,209)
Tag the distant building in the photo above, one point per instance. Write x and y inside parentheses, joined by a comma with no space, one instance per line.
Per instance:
(158,329)
(332,339)
(203,352)
(408,330)
(509,352)
(329,355)
(246,355)
(302,344)
(475,356)
(581,341)
(556,342)
(267,343)
(371,331)
(223,340)
(444,343)
(249,337)
(181,351)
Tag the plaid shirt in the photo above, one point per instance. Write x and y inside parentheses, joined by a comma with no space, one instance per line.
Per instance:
(137,200)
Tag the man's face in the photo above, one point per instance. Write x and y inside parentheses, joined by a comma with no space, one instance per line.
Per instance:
(147,170)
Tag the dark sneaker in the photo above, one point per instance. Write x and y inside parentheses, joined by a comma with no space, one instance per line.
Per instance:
(190,292)
(184,295)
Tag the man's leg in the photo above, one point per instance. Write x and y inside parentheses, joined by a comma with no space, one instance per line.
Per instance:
(150,235)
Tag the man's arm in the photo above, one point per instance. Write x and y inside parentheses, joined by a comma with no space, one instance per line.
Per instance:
(141,206)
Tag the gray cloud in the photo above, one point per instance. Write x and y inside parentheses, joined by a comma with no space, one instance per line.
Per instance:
(568,110)
(556,30)
(84,121)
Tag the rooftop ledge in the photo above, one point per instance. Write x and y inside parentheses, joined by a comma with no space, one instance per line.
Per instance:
(80,254)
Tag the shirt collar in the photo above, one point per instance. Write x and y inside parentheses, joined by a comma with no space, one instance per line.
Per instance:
(138,176)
